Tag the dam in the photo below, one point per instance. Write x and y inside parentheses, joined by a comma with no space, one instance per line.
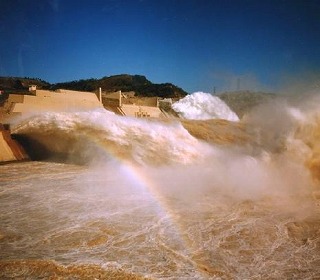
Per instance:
(34,102)
(39,101)
(127,104)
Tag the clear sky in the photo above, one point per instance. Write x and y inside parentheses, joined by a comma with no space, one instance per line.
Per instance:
(195,44)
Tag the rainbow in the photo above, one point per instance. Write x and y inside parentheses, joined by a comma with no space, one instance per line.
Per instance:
(144,183)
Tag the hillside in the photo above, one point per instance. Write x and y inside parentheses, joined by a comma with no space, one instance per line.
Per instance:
(140,84)
(137,83)
(20,84)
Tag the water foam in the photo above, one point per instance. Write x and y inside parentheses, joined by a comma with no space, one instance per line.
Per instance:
(88,134)
(203,106)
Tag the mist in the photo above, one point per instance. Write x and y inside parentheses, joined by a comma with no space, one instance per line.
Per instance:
(271,161)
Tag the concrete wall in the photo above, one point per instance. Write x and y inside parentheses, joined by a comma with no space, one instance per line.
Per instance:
(142,111)
(112,99)
(113,95)
(141,101)
(45,101)
(150,101)
(10,150)
(125,104)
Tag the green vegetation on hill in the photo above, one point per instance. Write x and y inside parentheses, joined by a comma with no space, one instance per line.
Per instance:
(137,83)
(20,84)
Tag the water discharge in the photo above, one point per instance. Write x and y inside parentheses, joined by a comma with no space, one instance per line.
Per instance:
(134,198)
(203,106)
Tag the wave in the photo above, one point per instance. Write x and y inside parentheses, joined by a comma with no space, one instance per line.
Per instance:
(203,106)
(88,136)
(275,137)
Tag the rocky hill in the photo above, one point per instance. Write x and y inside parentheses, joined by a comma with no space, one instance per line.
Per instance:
(9,84)
(137,83)
(140,84)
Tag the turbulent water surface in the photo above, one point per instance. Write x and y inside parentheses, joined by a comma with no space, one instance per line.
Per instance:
(135,198)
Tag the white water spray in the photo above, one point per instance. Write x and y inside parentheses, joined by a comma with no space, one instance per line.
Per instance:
(90,135)
(203,106)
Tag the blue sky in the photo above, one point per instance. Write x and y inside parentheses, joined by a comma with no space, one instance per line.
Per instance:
(195,44)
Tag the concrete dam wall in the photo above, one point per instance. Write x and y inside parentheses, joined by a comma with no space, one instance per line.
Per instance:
(10,149)
(45,101)
(37,101)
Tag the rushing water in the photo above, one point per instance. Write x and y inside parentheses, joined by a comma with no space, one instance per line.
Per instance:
(204,106)
(153,201)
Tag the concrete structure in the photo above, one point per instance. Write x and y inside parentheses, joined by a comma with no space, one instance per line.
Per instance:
(45,101)
(165,104)
(126,104)
(38,101)
(112,98)
(32,88)
(141,111)
(61,100)
(10,150)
